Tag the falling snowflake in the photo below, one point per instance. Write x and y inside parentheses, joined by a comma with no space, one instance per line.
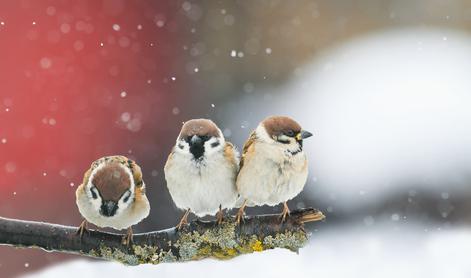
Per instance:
(45,62)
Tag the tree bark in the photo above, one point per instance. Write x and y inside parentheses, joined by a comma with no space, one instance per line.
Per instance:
(199,239)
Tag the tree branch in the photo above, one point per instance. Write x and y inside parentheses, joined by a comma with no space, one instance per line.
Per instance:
(200,239)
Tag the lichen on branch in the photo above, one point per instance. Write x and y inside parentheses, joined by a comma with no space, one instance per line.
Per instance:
(198,240)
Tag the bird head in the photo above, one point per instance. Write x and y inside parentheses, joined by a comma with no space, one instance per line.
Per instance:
(110,187)
(199,138)
(282,131)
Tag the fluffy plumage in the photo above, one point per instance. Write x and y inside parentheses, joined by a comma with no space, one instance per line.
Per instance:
(201,169)
(273,166)
(113,193)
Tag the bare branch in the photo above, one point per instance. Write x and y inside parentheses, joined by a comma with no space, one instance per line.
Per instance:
(200,239)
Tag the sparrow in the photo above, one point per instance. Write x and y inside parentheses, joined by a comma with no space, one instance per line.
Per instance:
(201,171)
(113,195)
(273,167)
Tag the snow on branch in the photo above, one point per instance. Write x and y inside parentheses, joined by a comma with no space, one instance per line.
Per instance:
(200,239)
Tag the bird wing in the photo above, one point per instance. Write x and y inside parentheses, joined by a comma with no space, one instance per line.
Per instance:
(136,172)
(230,153)
(248,147)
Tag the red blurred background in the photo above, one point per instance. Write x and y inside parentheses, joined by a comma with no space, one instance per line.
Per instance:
(80,80)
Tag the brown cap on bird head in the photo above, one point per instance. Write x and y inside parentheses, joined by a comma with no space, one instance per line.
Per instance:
(112,181)
(200,127)
(278,125)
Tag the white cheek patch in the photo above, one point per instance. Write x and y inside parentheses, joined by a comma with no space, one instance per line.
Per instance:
(122,205)
(285,138)
(263,135)
(214,145)
(182,146)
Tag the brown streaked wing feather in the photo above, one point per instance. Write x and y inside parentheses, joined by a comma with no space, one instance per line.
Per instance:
(86,176)
(248,146)
(136,172)
(229,150)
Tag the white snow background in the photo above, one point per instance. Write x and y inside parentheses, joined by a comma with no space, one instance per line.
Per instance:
(383,251)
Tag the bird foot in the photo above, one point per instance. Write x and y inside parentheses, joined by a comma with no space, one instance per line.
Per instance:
(82,228)
(128,237)
(285,212)
(240,217)
(241,213)
(220,216)
(184,221)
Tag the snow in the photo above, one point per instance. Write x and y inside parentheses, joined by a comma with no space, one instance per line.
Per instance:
(116,27)
(45,62)
(385,250)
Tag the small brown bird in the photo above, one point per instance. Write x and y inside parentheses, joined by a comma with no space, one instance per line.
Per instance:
(273,167)
(113,195)
(201,170)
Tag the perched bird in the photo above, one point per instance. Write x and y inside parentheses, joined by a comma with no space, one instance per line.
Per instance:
(201,171)
(113,195)
(273,167)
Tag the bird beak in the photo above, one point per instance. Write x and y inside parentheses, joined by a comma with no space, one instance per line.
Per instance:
(108,208)
(197,146)
(303,135)
(195,140)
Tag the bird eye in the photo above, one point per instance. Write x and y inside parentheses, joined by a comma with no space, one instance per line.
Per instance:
(94,195)
(128,194)
(290,133)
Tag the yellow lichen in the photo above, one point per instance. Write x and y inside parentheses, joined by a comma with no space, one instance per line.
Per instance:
(221,242)
(213,242)
(257,246)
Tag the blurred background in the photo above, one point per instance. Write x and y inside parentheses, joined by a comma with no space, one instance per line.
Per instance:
(383,85)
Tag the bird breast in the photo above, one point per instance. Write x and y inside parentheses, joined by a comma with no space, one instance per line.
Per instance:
(201,186)
(270,175)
